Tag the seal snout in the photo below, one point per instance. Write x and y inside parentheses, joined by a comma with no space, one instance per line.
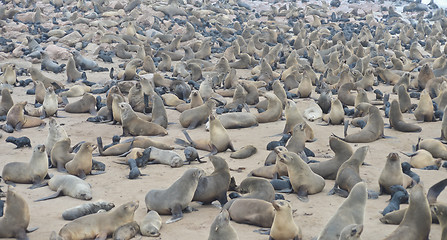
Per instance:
(393,156)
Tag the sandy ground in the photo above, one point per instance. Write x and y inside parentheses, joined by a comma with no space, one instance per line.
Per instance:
(114,186)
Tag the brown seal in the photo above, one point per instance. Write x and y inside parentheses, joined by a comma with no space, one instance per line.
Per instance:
(159,115)
(351,211)
(303,180)
(404,99)
(391,174)
(81,164)
(424,111)
(283,226)
(6,103)
(274,109)
(50,103)
(175,198)
(196,116)
(16,118)
(100,224)
(397,120)
(32,172)
(423,158)
(135,126)
(68,185)
(61,154)
(424,76)
(444,127)
(124,146)
(417,220)
(86,209)
(371,132)
(151,224)
(237,120)
(214,186)
(294,117)
(221,228)
(435,147)
(55,133)
(244,152)
(348,174)
(72,72)
(344,94)
(336,115)
(328,169)
(251,211)
(15,220)
(255,187)
(87,104)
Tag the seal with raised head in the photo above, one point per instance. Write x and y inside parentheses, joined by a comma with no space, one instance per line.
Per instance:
(151,224)
(221,228)
(175,198)
(283,226)
(135,126)
(416,223)
(214,186)
(397,121)
(274,109)
(16,118)
(55,133)
(303,180)
(6,103)
(351,211)
(15,221)
(68,185)
(371,132)
(255,187)
(194,117)
(102,224)
(328,169)
(391,174)
(32,172)
(61,154)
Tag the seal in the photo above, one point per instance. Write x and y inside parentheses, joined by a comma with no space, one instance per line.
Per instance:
(166,157)
(55,133)
(50,65)
(127,231)
(351,211)
(159,115)
(101,224)
(175,198)
(221,228)
(274,109)
(87,104)
(32,172)
(6,103)
(444,127)
(441,212)
(197,116)
(397,121)
(251,211)
(303,180)
(391,174)
(255,187)
(237,120)
(214,186)
(348,174)
(81,164)
(283,226)
(86,209)
(37,76)
(435,147)
(136,142)
(50,103)
(17,120)
(417,220)
(133,125)
(423,158)
(19,142)
(68,185)
(344,94)
(294,117)
(328,169)
(371,132)
(191,154)
(151,224)
(15,221)
(244,152)
(72,72)
(336,115)
(424,111)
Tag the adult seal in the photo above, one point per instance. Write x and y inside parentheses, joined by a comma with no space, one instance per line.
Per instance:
(176,198)
(221,228)
(283,226)
(397,121)
(251,211)
(135,126)
(81,164)
(371,132)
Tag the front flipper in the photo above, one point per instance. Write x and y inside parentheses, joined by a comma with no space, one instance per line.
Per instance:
(37,183)
(341,192)
(55,195)
(263,231)
(61,167)
(302,194)
(10,183)
(81,174)
(177,214)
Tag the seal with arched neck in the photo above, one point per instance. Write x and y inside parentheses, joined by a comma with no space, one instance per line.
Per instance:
(397,121)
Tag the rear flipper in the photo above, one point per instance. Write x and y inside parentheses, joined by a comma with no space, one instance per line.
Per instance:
(177,214)
(55,195)
(302,194)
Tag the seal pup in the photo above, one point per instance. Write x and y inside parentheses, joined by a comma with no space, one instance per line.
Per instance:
(32,172)
(175,198)
(68,185)
(417,219)
(100,224)
(214,186)
(397,121)
(151,224)
(283,226)
(86,209)
(127,231)
(221,228)
(81,164)
(19,142)
(15,220)
(328,169)
(348,174)
(133,125)
(251,211)
(191,154)
(371,132)
(303,180)
(351,211)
